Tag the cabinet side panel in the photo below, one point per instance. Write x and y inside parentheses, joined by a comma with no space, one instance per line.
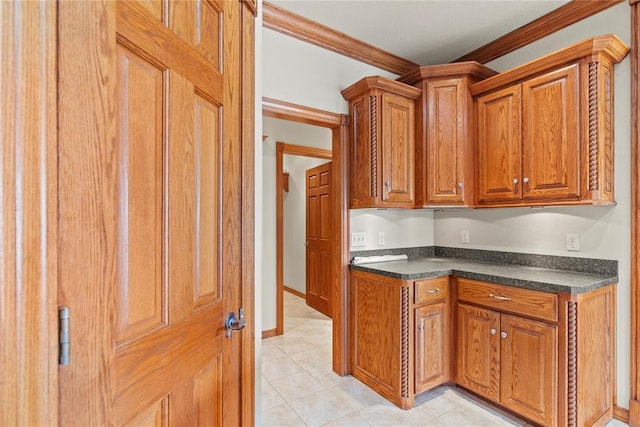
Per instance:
(361,191)
(595,357)
(376,322)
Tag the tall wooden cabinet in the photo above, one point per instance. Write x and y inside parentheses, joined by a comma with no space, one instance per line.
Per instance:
(382,143)
(545,129)
(445,155)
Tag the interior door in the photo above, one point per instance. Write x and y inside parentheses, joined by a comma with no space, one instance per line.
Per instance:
(318,195)
(149,223)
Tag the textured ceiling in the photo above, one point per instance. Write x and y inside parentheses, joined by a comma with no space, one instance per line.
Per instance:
(422,31)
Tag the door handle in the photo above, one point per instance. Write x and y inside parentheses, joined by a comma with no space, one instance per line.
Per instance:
(234,324)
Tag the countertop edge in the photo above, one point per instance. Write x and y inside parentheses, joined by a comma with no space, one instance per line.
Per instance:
(501,280)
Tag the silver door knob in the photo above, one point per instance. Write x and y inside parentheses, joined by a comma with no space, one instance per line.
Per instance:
(526,180)
(503,334)
(460,185)
(234,324)
(493,331)
(515,181)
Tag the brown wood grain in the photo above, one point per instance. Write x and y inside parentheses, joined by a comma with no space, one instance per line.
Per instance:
(87,131)
(301,150)
(528,368)
(318,237)
(551,135)
(432,360)
(634,404)
(609,45)
(430,291)
(562,17)
(478,350)
(285,22)
(525,302)
(28,227)
(499,146)
(299,113)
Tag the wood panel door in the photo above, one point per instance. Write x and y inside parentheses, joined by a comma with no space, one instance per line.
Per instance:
(398,150)
(499,146)
(446,141)
(431,347)
(318,196)
(528,357)
(551,136)
(150,212)
(478,350)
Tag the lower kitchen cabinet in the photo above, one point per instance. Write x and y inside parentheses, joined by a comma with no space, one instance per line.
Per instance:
(509,360)
(548,357)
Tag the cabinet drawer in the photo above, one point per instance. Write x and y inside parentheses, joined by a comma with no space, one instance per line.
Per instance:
(431,290)
(530,303)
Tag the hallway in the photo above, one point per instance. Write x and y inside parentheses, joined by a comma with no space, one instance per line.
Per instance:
(300,389)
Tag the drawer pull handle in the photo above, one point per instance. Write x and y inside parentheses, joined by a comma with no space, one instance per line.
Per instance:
(498,297)
(433,291)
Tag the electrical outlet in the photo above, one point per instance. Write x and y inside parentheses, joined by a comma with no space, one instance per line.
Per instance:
(464,236)
(358,240)
(381,238)
(573,242)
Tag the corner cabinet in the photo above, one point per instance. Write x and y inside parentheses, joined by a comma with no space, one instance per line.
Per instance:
(382,143)
(445,157)
(545,129)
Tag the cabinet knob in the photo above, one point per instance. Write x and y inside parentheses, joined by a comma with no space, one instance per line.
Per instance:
(460,185)
(387,184)
(503,334)
(493,331)
(420,327)
(515,181)
(526,180)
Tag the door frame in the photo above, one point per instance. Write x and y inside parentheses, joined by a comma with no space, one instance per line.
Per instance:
(283,148)
(339,125)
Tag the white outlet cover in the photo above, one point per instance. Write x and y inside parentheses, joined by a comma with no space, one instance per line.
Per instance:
(464,236)
(573,242)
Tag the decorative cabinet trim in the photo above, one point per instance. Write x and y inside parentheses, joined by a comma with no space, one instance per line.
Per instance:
(572,364)
(373,132)
(608,47)
(404,381)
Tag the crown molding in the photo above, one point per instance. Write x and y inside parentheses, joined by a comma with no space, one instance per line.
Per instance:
(296,26)
(553,21)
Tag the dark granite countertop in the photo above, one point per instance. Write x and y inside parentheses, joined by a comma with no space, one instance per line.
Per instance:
(535,278)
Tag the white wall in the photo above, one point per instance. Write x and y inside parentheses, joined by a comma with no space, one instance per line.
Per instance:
(305,74)
(402,228)
(604,231)
(294,218)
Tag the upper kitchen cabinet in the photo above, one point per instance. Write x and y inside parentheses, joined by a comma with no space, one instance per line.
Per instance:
(382,143)
(545,129)
(445,155)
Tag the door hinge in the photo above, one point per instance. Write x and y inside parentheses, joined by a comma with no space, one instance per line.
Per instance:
(63,335)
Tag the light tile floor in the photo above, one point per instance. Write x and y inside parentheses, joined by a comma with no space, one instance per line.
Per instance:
(299,387)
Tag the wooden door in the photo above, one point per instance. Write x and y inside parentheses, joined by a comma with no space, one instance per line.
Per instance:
(431,345)
(318,196)
(478,351)
(150,209)
(499,146)
(528,355)
(551,136)
(398,150)
(446,140)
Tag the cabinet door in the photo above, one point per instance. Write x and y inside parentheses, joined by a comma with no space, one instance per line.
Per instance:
(528,354)
(431,347)
(446,140)
(551,136)
(478,349)
(362,187)
(398,145)
(499,146)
